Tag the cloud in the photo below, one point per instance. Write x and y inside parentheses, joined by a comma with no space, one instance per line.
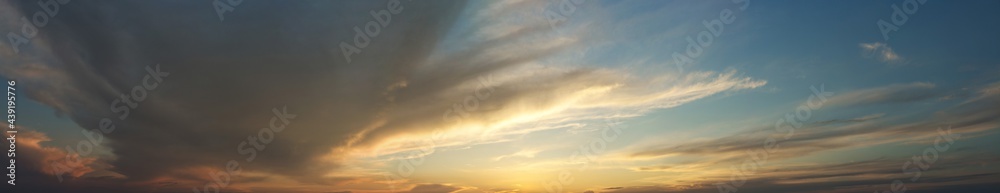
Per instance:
(522,154)
(654,168)
(210,103)
(41,158)
(37,165)
(985,92)
(820,136)
(889,94)
(882,51)
(862,176)
(433,188)
(975,118)
(225,77)
(809,138)
(854,120)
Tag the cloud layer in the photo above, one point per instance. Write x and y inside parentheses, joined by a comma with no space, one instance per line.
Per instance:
(226,77)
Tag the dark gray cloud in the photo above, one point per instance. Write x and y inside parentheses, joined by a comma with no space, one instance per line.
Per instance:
(224,77)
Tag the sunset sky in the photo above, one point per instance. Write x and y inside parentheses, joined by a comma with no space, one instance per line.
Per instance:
(579,96)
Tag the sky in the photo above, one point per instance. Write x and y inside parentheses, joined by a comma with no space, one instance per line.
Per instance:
(580,96)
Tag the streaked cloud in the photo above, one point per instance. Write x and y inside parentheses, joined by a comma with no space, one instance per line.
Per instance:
(970,120)
(889,94)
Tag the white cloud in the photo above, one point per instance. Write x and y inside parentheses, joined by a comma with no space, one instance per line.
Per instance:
(882,51)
